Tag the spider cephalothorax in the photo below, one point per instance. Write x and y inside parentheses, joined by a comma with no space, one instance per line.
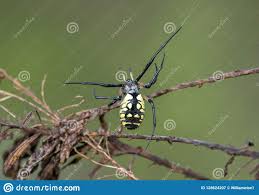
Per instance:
(130,86)
(132,104)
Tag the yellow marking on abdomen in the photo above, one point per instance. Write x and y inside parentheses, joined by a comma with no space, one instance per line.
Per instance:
(129,115)
(136,116)
(132,114)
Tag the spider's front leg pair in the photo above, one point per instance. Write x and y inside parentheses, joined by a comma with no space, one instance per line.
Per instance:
(148,85)
(154,79)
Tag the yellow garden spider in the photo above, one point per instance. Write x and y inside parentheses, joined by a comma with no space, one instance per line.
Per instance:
(132,105)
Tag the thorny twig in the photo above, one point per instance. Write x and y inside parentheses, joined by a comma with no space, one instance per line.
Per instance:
(231,150)
(201,82)
(62,137)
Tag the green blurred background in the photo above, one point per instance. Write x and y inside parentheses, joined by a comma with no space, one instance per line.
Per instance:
(114,35)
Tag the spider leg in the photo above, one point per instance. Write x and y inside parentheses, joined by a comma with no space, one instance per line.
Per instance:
(105,97)
(95,83)
(153,131)
(113,98)
(154,79)
(154,120)
(156,53)
(114,101)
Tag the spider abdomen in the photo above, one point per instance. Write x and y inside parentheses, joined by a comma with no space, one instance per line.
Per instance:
(132,110)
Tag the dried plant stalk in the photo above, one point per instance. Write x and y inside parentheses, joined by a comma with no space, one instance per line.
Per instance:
(60,139)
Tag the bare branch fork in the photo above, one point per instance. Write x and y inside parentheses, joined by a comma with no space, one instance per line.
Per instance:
(67,140)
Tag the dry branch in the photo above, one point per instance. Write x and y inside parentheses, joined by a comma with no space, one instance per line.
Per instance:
(91,114)
(62,137)
(201,82)
(231,150)
(122,149)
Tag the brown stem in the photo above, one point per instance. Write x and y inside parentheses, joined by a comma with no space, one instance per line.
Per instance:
(91,114)
(123,148)
(201,82)
(231,150)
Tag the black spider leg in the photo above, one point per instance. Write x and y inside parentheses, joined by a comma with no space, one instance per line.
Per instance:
(113,98)
(114,101)
(96,83)
(153,132)
(154,121)
(154,79)
(156,53)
